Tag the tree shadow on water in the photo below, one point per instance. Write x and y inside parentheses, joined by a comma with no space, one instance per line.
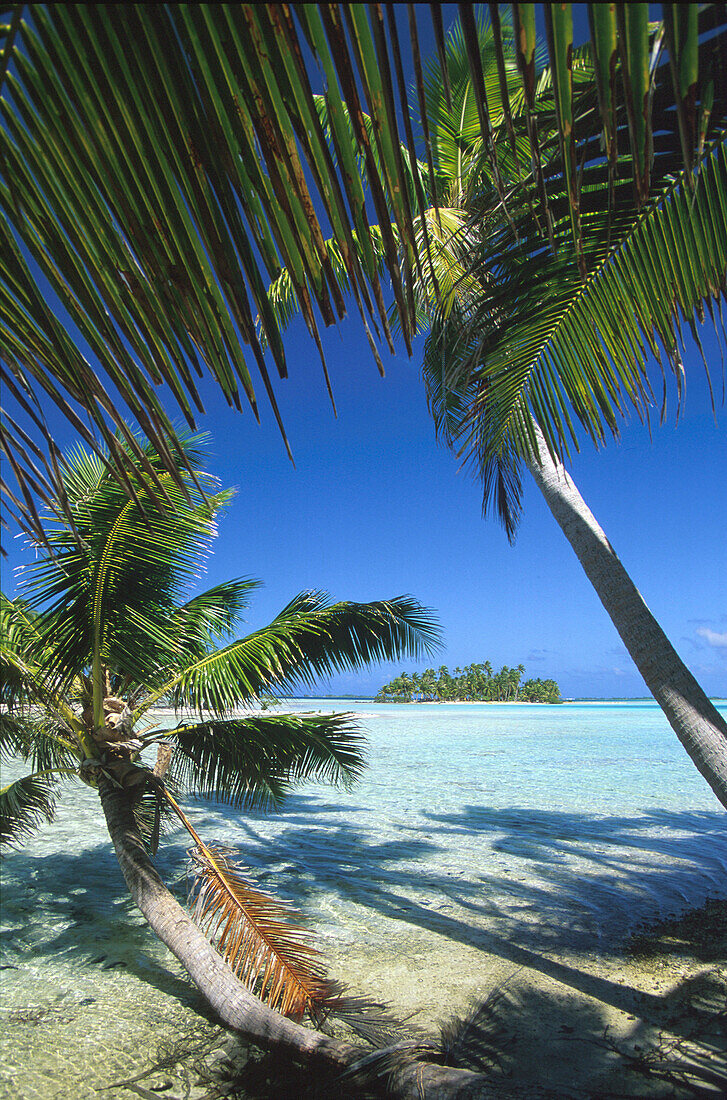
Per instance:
(544,890)
(73,909)
(574,886)
(531,1042)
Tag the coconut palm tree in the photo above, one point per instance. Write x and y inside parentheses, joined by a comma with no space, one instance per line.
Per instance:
(141,221)
(526,340)
(104,633)
(150,193)
(533,340)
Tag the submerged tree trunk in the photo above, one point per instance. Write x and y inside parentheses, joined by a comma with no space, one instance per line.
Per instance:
(234,1004)
(696,721)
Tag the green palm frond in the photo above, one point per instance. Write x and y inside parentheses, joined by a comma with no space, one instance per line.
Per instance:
(24,805)
(152,816)
(572,351)
(13,735)
(159,190)
(252,761)
(212,615)
(17,634)
(453,390)
(257,936)
(310,639)
(168,196)
(38,739)
(111,592)
(454,118)
(27,677)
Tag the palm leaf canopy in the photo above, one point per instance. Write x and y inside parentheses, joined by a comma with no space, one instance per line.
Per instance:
(562,336)
(23,805)
(160,165)
(547,294)
(110,586)
(109,593)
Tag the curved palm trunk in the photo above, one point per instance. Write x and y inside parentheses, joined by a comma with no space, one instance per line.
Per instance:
(695,720)
(234,1004)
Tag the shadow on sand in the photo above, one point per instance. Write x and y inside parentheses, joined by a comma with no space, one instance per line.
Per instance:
(575,883)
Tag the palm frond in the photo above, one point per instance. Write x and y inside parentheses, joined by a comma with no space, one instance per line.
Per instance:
(212,615)
(310,638)
(152,816)
(158,190)
(111,587)
(13,734)
(572,351)
(24,805)
(252,761)
(27,679)
(38,739)
(168,196)
(451,351)
(256,935)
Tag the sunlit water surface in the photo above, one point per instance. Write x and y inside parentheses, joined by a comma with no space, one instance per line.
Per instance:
(556,828)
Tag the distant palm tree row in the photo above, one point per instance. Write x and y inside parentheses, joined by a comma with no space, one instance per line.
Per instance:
(474,683)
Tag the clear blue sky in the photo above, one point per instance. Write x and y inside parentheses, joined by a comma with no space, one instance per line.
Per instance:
(374,508)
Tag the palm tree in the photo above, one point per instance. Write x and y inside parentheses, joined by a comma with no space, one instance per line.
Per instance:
(156,190)
(505,390)
(141,221)
(104,633)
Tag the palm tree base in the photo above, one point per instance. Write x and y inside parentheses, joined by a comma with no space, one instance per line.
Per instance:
(233,1003)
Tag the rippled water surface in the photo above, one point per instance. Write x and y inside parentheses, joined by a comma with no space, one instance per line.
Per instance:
(554,828)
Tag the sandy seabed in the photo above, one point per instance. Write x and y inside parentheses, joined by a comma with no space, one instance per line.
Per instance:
(650,1021)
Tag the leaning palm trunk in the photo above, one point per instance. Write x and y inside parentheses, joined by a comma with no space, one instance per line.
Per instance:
(695,720)
(231,1000)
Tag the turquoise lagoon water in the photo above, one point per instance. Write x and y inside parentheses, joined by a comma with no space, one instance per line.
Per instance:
(477,832)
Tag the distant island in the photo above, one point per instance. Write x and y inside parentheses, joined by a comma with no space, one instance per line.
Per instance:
(472,684)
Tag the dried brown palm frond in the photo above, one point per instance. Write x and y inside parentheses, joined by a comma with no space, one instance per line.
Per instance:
(257,935)
(263,941)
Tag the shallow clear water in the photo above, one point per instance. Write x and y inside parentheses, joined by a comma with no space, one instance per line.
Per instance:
(475,828)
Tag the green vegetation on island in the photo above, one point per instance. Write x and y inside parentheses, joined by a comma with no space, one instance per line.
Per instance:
(471,684)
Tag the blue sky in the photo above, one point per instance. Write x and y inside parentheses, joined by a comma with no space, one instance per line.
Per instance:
(374,508)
